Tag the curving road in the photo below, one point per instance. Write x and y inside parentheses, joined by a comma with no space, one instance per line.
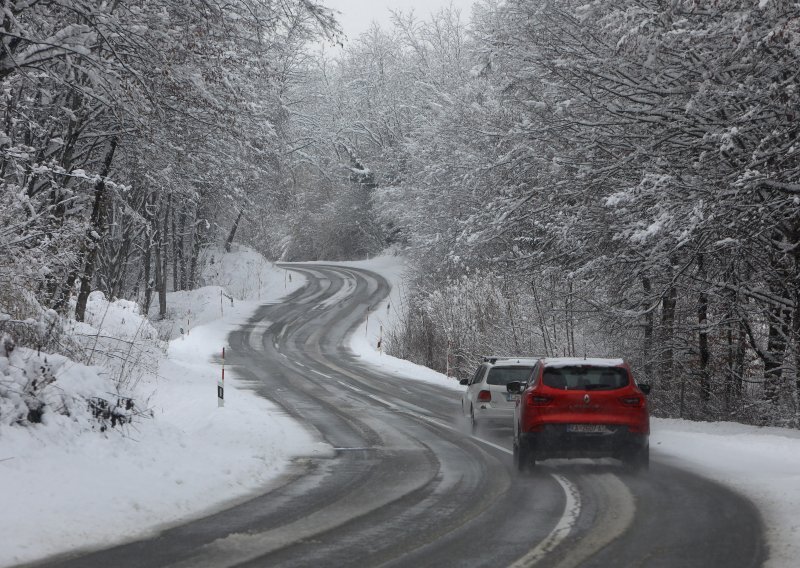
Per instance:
(408,486)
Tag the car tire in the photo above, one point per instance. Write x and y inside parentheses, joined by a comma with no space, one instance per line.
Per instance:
(637,460)
(523,457)
(473,423)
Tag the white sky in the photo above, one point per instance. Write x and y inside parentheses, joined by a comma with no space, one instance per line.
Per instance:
(357,15)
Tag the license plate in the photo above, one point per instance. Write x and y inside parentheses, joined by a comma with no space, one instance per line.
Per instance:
(511,397)
(588,428)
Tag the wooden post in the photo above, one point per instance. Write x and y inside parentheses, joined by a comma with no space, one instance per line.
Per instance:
(221,384)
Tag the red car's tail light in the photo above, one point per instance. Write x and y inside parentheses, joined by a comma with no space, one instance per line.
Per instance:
(538,400)
(635,401)
(485,396)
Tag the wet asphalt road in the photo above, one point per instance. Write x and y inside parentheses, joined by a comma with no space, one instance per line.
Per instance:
(407,485)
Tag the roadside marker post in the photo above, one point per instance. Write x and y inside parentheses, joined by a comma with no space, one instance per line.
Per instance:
(221,384)
(221,302)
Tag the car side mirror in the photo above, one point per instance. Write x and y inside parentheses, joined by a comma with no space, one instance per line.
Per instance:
(514,387)
(463,382)
(645,388)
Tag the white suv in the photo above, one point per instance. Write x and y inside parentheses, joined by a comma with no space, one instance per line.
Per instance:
(486,398)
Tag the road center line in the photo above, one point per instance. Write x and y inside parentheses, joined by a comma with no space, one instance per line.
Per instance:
(351,387)
(572,508)
(572,502)
(372,396)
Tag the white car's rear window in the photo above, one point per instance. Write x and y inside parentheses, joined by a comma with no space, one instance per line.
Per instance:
(505,375)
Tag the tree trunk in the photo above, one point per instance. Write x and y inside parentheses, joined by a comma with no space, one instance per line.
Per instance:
(795,346)
(542,324)
(774,355)
(181,243)
(668,302)
(164,259)
(94,235)
(157,277)
(702,336)
(736,350)
(648,330)
(128,234)
(197,242)
(513,326)
(232,234)
(174,241)
(149,240)
(569,320)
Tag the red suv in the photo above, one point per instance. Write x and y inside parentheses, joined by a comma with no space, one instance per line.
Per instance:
(581,408)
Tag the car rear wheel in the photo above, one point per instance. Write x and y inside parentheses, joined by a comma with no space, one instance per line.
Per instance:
(637,460)
(523,457)
(473,423)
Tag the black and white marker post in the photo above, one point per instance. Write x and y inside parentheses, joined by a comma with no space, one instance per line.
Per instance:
(221,384)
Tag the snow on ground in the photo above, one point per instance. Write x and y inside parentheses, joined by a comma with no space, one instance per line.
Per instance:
(761,463)
(66,488)
(226,280)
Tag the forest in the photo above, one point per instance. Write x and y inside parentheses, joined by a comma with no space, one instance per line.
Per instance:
(609,178)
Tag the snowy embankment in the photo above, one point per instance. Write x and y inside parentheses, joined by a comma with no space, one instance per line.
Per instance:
(384,317)
(66,487)
(760,463)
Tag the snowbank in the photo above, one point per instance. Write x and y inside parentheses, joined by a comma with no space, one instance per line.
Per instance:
(227,279)
(383,318)
(761,463)
(47,390)
(68,488)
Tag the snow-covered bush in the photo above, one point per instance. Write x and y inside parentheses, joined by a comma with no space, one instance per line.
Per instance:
(30,324)
(118,338)
(448,325)
(23,383)
(52,365)
(35,387)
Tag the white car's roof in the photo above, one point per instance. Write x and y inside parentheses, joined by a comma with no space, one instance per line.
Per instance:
(511,361)
(577,361)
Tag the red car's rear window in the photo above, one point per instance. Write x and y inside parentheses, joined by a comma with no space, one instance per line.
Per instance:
(585,377)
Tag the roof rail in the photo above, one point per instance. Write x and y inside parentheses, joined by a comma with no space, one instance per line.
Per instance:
(495,358)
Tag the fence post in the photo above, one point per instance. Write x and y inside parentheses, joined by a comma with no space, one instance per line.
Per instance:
(221,384)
